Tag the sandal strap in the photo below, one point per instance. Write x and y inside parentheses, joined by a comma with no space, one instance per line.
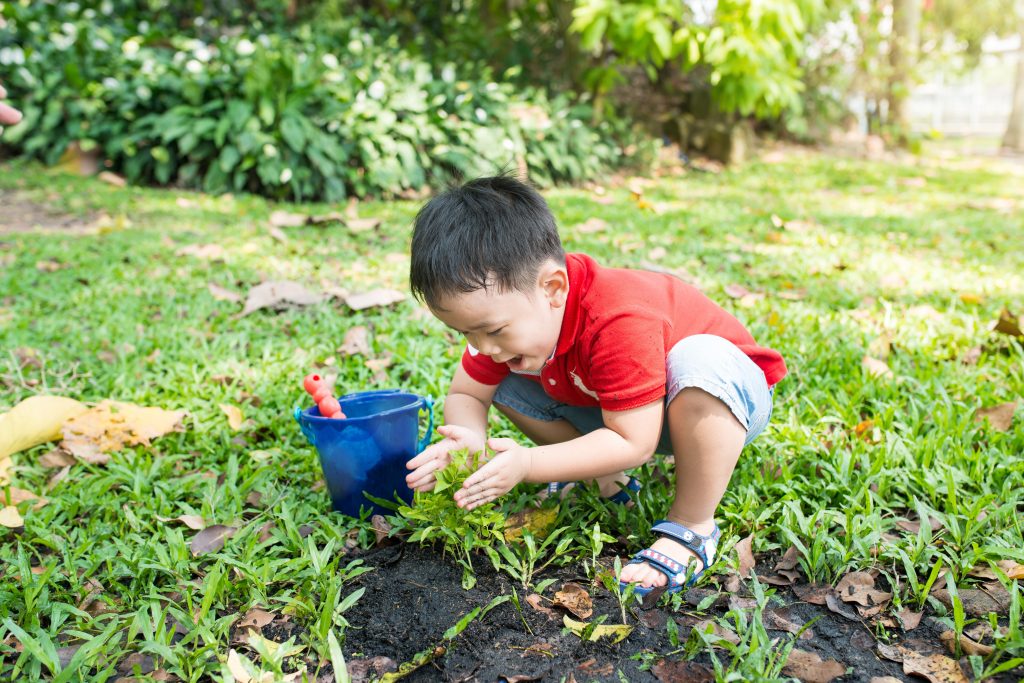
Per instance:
(674,571)
(623,497)
(704,547)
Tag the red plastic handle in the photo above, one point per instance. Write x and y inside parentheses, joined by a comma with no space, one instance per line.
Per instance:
(316,387)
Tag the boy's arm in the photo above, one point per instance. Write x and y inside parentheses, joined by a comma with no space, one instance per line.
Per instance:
(628,440)
(465,416)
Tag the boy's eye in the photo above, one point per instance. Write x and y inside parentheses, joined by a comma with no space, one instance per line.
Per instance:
(496,332)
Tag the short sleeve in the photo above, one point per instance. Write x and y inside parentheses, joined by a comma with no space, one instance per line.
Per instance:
(628,361)
(482,368)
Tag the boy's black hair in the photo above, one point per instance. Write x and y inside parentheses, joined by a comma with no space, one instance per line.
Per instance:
(488,232)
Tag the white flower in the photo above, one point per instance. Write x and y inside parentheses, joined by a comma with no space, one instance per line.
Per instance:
(355,46)
(269,150)
(69,29)
(244,48)
(130,47)
(202,53)
(377,90)
(286,175)
(330,61)
(481,115)
(12,55)
(194,66)
(448,73)
(110,83)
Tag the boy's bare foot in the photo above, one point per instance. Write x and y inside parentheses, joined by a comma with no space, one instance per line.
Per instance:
(647,576)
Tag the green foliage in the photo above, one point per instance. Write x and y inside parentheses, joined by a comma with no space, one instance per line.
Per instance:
(301,115)
(749,49)
(435,517)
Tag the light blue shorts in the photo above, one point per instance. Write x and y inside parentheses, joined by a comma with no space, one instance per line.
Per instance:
(704,361)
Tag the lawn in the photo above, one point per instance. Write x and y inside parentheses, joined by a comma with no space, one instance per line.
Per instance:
(881,282)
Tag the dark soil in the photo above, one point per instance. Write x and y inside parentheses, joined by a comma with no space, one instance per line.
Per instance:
(415,595)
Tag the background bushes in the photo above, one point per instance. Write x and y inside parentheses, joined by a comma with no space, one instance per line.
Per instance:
(306,111)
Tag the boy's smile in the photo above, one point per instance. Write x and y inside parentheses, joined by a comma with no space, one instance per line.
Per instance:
(517,328)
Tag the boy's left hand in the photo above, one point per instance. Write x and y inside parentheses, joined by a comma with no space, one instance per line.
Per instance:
(507,467)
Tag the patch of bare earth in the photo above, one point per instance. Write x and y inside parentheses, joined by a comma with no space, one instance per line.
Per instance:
(20,213)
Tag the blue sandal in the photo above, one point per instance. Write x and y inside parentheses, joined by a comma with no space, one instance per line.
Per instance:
(621,498)
(705,548)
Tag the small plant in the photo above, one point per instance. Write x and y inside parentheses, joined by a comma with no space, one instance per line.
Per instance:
(611,582)
(523,560)
(434,516)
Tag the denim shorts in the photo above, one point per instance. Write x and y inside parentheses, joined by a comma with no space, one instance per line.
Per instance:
(703,361)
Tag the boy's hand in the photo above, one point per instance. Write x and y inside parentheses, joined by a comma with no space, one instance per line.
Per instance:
(507,467)
(437,456)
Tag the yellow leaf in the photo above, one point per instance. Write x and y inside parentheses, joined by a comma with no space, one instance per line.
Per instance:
(112,425)
(617,633)
(234,414)
(971,298)
(35,420)
(10,518)
(538,520)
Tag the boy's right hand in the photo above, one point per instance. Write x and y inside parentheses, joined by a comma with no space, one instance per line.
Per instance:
(437,456)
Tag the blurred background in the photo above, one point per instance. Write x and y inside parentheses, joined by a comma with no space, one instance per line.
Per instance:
(321,100)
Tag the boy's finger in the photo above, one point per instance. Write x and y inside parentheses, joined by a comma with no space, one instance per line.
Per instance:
(429,454)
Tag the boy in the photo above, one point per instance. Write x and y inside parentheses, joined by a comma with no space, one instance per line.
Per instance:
(599,367)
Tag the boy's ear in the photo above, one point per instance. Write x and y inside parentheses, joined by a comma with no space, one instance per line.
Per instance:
(554,280)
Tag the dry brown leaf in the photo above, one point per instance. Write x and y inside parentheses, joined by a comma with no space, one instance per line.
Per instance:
(1008,323)
(1000,417)
(592,225)
(721,632)
(235,418)
(381,528)
(746,555)
(57,478)
(15,495)
(209,252)
(221,294)
(56,458)
(112,178)
(909,619)
(936,668)
(737,291)
(279,294)
(859,587)
(256,618)
(10,518)
(657,253)
(211,539)
(968,646)
(833,603)
(813,593)
(913,525)
(112,425)
(875,367)
(285,219)
(884,679)
(971,356)
(574,598)
(536,601)
(790,559)
(809,667)
(367,670)
(977,602)
(358,225)
(374,298)
(35,420)
(668,671)
(780,620)
(194,522)
(357,341)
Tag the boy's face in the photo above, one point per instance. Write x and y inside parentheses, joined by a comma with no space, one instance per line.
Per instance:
(517,328)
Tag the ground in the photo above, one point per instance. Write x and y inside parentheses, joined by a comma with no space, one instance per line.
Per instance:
(890,477)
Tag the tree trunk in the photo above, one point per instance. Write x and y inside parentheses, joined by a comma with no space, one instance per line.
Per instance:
(1013,139)
(906,22)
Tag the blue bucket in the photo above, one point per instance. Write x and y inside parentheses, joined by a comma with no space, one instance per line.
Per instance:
(367,450)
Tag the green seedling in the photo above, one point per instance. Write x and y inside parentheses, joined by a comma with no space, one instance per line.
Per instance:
(522,561)
(435,517)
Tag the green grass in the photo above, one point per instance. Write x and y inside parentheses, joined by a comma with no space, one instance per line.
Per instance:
(879,255)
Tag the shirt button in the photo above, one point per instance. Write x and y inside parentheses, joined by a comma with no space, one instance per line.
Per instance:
(551,381)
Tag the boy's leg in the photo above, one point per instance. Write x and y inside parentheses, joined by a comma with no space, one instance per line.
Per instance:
(718,401)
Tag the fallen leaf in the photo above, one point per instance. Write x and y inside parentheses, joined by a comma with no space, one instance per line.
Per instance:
(194,522)
(381,528)
(780,620)
(790,559)
(536,601)
(372,669)
(221,294)
(914,526)
(977,602)
(211,539)
(209,252)
(681,672)
(574,598)
(909,619)
(538,521)
(14,495)
(875,367)
(971,356)
(1008,323)
(285,219)
(859,587)
(357,341)
(746,555)
(358,225)
(999,417)
(234,414)
(279,294)
(657,253)
(736,291)
(592,225)
(884,679)
(809,667)
(813,593)
(112,178)
(256,618)
(112,425)
(936,668)
(718,630)
(968,646)
(374,298)
(56,458)
(332,217)
(591,668)
(616,632)
(33,421)
(10,518)
(60,476)
(833,603)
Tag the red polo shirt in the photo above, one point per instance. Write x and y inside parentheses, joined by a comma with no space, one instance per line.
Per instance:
(617,330)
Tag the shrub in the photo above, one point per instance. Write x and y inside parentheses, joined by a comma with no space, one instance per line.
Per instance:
(296,115)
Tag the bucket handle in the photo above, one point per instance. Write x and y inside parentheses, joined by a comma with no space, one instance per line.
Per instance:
(306,431)
(428,403)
